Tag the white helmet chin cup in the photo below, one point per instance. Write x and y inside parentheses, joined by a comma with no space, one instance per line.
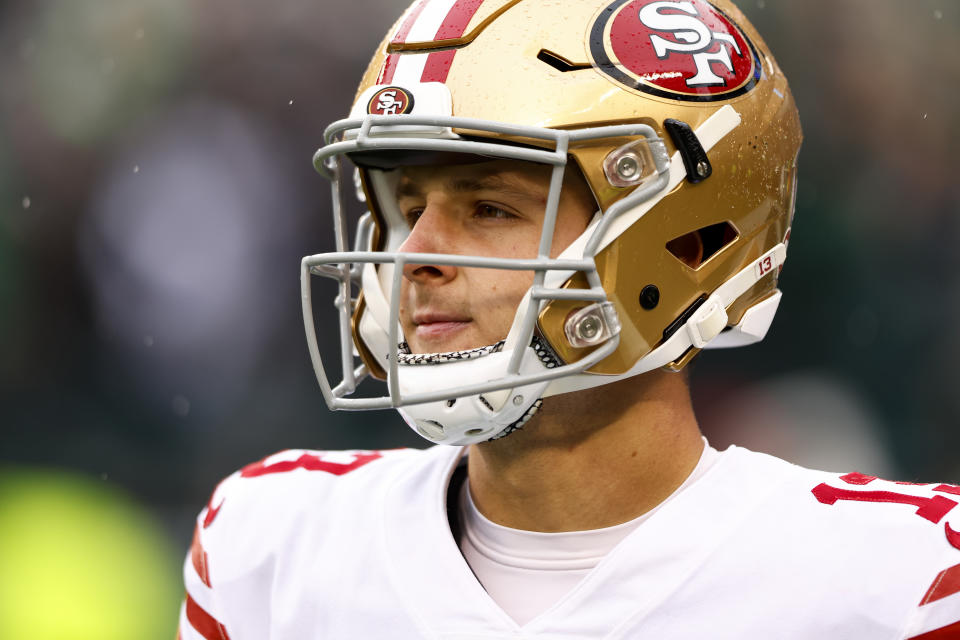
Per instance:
(478,417)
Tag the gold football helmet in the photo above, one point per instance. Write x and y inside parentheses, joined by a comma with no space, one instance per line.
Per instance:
(677,117)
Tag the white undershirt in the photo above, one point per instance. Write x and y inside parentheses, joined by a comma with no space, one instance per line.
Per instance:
(526,572)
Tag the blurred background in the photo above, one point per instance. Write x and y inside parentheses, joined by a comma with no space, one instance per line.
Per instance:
(157,194)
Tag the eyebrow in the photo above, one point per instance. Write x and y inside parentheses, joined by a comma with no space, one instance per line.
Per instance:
(493,182)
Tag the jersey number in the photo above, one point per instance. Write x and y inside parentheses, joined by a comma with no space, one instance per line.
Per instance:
(932,508)
(307,461)
(310,462)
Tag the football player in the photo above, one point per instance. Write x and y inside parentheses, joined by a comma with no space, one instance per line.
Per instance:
(566,203)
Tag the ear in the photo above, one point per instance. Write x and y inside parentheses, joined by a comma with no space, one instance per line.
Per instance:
(688,248)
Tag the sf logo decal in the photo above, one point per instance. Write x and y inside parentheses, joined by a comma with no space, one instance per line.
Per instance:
(679,49)
(390,101)
(691,36)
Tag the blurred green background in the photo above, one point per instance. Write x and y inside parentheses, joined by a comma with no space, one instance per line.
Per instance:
(156,195)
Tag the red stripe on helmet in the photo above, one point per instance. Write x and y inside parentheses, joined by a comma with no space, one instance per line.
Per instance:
(407,24)
(438,63)
(388,69)
(438,66)
(457,19)
(390,64)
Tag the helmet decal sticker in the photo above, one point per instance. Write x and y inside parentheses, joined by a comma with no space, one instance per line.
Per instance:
(679,49)
(427,21)
(390,63)
(454,25)
(390,101)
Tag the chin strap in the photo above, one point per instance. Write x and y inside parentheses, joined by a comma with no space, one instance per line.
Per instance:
(404,357)
(550,361)
(516,426)
(538,344)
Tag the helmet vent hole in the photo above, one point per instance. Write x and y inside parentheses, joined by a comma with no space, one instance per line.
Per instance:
(697,247)
(560,63)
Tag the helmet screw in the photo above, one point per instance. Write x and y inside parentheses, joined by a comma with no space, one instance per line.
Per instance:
(703,169)
(628,167)
(649,297)
(590,327)
(518,400)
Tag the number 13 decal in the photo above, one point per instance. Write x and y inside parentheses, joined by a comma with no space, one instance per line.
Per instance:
(765,266)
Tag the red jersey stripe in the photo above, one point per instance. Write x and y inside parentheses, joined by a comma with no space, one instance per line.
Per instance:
(211,510)
(438,63)
(199,558)
(205,624)
(946,584)
(949,632)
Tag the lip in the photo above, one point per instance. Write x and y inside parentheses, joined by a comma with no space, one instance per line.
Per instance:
(432,325)
(439,330)
(432,317)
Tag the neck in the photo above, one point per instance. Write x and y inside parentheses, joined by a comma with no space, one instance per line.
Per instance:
(590,459)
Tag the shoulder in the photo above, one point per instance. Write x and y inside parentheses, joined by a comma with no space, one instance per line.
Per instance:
(280,522)
(878,544)
(265,510)
(289,484)
(296,474)
(876,513)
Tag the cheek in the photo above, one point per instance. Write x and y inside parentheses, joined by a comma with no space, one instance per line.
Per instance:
(407,300)
(501,291)
(571,222)
(520,241)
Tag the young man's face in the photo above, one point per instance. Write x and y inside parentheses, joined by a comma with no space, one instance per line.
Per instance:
(493,209)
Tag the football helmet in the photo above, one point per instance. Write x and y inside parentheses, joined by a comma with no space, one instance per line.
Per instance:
(677,117)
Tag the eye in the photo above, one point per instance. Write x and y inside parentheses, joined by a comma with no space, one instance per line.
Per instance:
(412,216)
(492,211)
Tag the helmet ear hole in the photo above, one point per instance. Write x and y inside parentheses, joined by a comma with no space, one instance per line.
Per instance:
(688,249)
(695,248)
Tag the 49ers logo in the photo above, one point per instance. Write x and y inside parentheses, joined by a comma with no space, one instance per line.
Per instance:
(390,101)
(679,49)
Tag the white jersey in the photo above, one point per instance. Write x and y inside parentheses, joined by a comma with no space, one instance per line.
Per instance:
(308,545)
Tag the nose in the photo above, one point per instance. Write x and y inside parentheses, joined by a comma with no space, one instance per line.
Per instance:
(429,235)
